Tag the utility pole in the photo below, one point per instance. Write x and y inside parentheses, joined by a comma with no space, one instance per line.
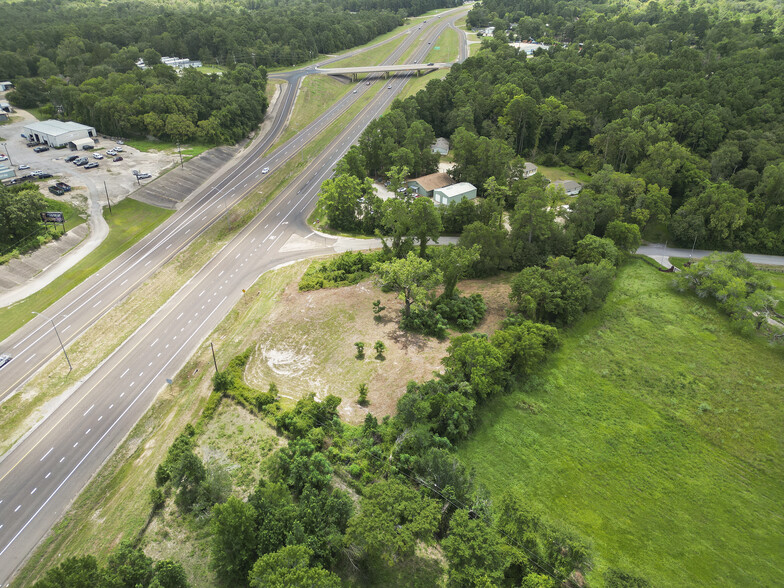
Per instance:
(107,197)
(70,368)
(215,361)
(180,152)
(693,245)
(8,155)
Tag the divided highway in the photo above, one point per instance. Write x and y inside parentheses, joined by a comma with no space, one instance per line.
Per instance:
(32,346)
(42,475)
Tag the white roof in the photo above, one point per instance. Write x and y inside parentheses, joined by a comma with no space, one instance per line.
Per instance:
(56,127)
(530,166)
(85,141)
(456,189)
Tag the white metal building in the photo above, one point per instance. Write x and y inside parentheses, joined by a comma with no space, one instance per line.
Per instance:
(454,193)
(57,133)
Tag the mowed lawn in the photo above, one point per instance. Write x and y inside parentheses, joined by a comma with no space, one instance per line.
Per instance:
(655,433)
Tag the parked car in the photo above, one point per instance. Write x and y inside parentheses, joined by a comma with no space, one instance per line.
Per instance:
(81,161)
(143,176)
(118,149)
(44,176)
(111,152)
(4,359)
(56,191)
(118,158)
(37,173)
(97,156)
(23,166)
(91,165)
(41,149)
(31,144)
(2,157)
(120,142)
(63,186)
(71,158)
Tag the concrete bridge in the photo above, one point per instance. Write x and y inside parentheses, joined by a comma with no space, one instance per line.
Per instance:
(387,70)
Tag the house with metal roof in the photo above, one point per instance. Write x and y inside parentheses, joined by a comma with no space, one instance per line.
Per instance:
(454,193)
(571,187)
(57,133)
(441,146)
(424,185)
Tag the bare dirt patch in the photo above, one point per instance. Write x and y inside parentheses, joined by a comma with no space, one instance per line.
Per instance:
(307,345)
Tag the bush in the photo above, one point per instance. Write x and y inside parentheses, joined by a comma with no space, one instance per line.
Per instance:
(360,349)
(363,392)
(426,321)
(344,270)
(465,312)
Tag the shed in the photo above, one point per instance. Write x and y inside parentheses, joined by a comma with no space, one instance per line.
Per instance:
(57,133)
(571,187)
(530,169)
(6,172)
(86,143)
(454,193)
(425,185)
(5,86)
(440,146)
(5,106)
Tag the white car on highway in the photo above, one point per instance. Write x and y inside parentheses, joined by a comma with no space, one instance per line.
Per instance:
(265,170)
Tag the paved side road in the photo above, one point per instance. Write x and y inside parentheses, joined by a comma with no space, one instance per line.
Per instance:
(659,250)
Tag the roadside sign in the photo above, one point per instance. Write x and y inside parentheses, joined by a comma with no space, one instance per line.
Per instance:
(53,217)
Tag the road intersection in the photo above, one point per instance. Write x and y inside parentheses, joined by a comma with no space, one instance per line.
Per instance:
(42,474)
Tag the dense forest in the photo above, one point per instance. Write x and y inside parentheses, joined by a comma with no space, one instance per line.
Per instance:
(78,60)
(677,116)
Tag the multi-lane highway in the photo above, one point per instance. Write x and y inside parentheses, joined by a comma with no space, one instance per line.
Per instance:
(41,476)
(35,344)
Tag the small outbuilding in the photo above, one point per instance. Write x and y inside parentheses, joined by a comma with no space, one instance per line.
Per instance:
(440,146)
(529,170)
(6,172)
(86,143)
(57,133)
(571,187)
(4,86)
(5,106)
(424,185)
(454,193)
(3,116)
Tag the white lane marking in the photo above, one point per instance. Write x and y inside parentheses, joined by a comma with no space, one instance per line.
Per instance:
(66,328)
(148,263)
(158,355)
(122,394)
(149,364)
(123,282)
(131,385)
(179,315)
(205,216)
(141,374)
(167,247)
(62,459)
(29,358)
(220,274)
(33,492)
(88,431)
(167,346)
(75,444)
(99,418)
(17,508)
(125,372)
(278,214)
(88,410)
(154,342)
(111,406)
(252,240)
(109,430)
(96,304)
(202,292)
(47,475)
(265,226)
(236,256)
(47,453)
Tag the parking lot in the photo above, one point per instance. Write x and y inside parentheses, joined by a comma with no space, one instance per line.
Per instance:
(117,175)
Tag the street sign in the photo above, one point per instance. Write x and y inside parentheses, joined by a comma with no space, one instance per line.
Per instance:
(52,217)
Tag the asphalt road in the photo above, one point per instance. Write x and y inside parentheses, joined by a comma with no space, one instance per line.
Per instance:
(43,474)
(661,250)
(32,346)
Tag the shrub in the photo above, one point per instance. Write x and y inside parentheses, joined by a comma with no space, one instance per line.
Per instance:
(360,349)
(344,270)
(380,348)
(363,392)
(464,312)
(426,321)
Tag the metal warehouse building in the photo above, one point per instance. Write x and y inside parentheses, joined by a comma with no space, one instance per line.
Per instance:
(57,133)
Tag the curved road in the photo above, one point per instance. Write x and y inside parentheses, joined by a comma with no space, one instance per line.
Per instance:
(41,476)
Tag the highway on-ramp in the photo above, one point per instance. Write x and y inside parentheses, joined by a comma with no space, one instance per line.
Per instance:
(42,475)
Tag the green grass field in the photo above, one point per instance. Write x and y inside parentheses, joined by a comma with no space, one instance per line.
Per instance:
(129,222)
(444,48)
(655,433)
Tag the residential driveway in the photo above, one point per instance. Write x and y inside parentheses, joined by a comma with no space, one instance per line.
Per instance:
(659,250)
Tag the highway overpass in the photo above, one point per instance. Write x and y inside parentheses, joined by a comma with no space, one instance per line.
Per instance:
(382,69)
